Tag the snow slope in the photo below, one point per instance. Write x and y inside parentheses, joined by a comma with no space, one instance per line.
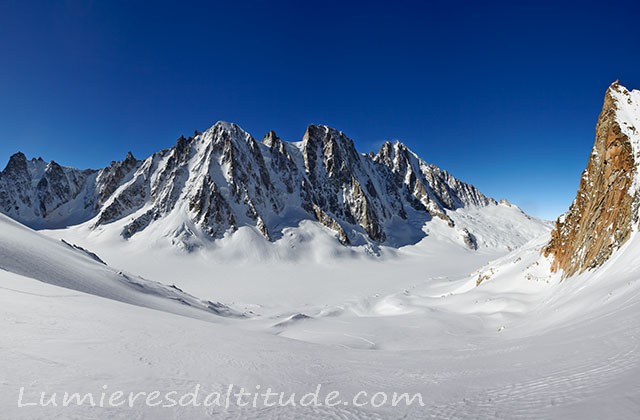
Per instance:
(521,345)
(29,254)
(460,307)
(307,266)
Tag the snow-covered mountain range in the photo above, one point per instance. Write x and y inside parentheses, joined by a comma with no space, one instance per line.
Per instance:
(210,185)
(459,305)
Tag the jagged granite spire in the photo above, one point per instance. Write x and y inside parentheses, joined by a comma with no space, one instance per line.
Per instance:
(605,209)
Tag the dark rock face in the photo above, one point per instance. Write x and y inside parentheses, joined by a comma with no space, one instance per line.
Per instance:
(223,179)
(426,187)
(212,211)
(38,193)
(469,239)
(336,173)
(113,176)
(601,217)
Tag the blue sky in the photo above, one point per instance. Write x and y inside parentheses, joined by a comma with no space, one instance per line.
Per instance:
(503,95)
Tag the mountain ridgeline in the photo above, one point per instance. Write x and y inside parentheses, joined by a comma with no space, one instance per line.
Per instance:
(223,179)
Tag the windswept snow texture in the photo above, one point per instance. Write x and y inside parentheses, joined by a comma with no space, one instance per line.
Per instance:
(308,264)
(29,254)
(522,344)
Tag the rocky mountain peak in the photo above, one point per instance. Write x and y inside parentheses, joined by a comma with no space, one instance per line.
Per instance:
(394,155)
(17,164)
(53,167)
(328,151)
(223,130)
(605,210)
(327,136)
(271,139)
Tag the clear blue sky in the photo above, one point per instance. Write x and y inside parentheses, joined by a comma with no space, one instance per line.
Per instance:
(503,95)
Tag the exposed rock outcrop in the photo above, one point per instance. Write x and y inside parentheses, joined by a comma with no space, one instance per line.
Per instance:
(39,194)
(469,239)
(604,212)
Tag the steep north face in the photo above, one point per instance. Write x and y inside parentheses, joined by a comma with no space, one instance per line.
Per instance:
(223,178)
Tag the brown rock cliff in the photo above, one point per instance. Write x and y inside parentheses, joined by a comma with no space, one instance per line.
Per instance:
(601,217)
